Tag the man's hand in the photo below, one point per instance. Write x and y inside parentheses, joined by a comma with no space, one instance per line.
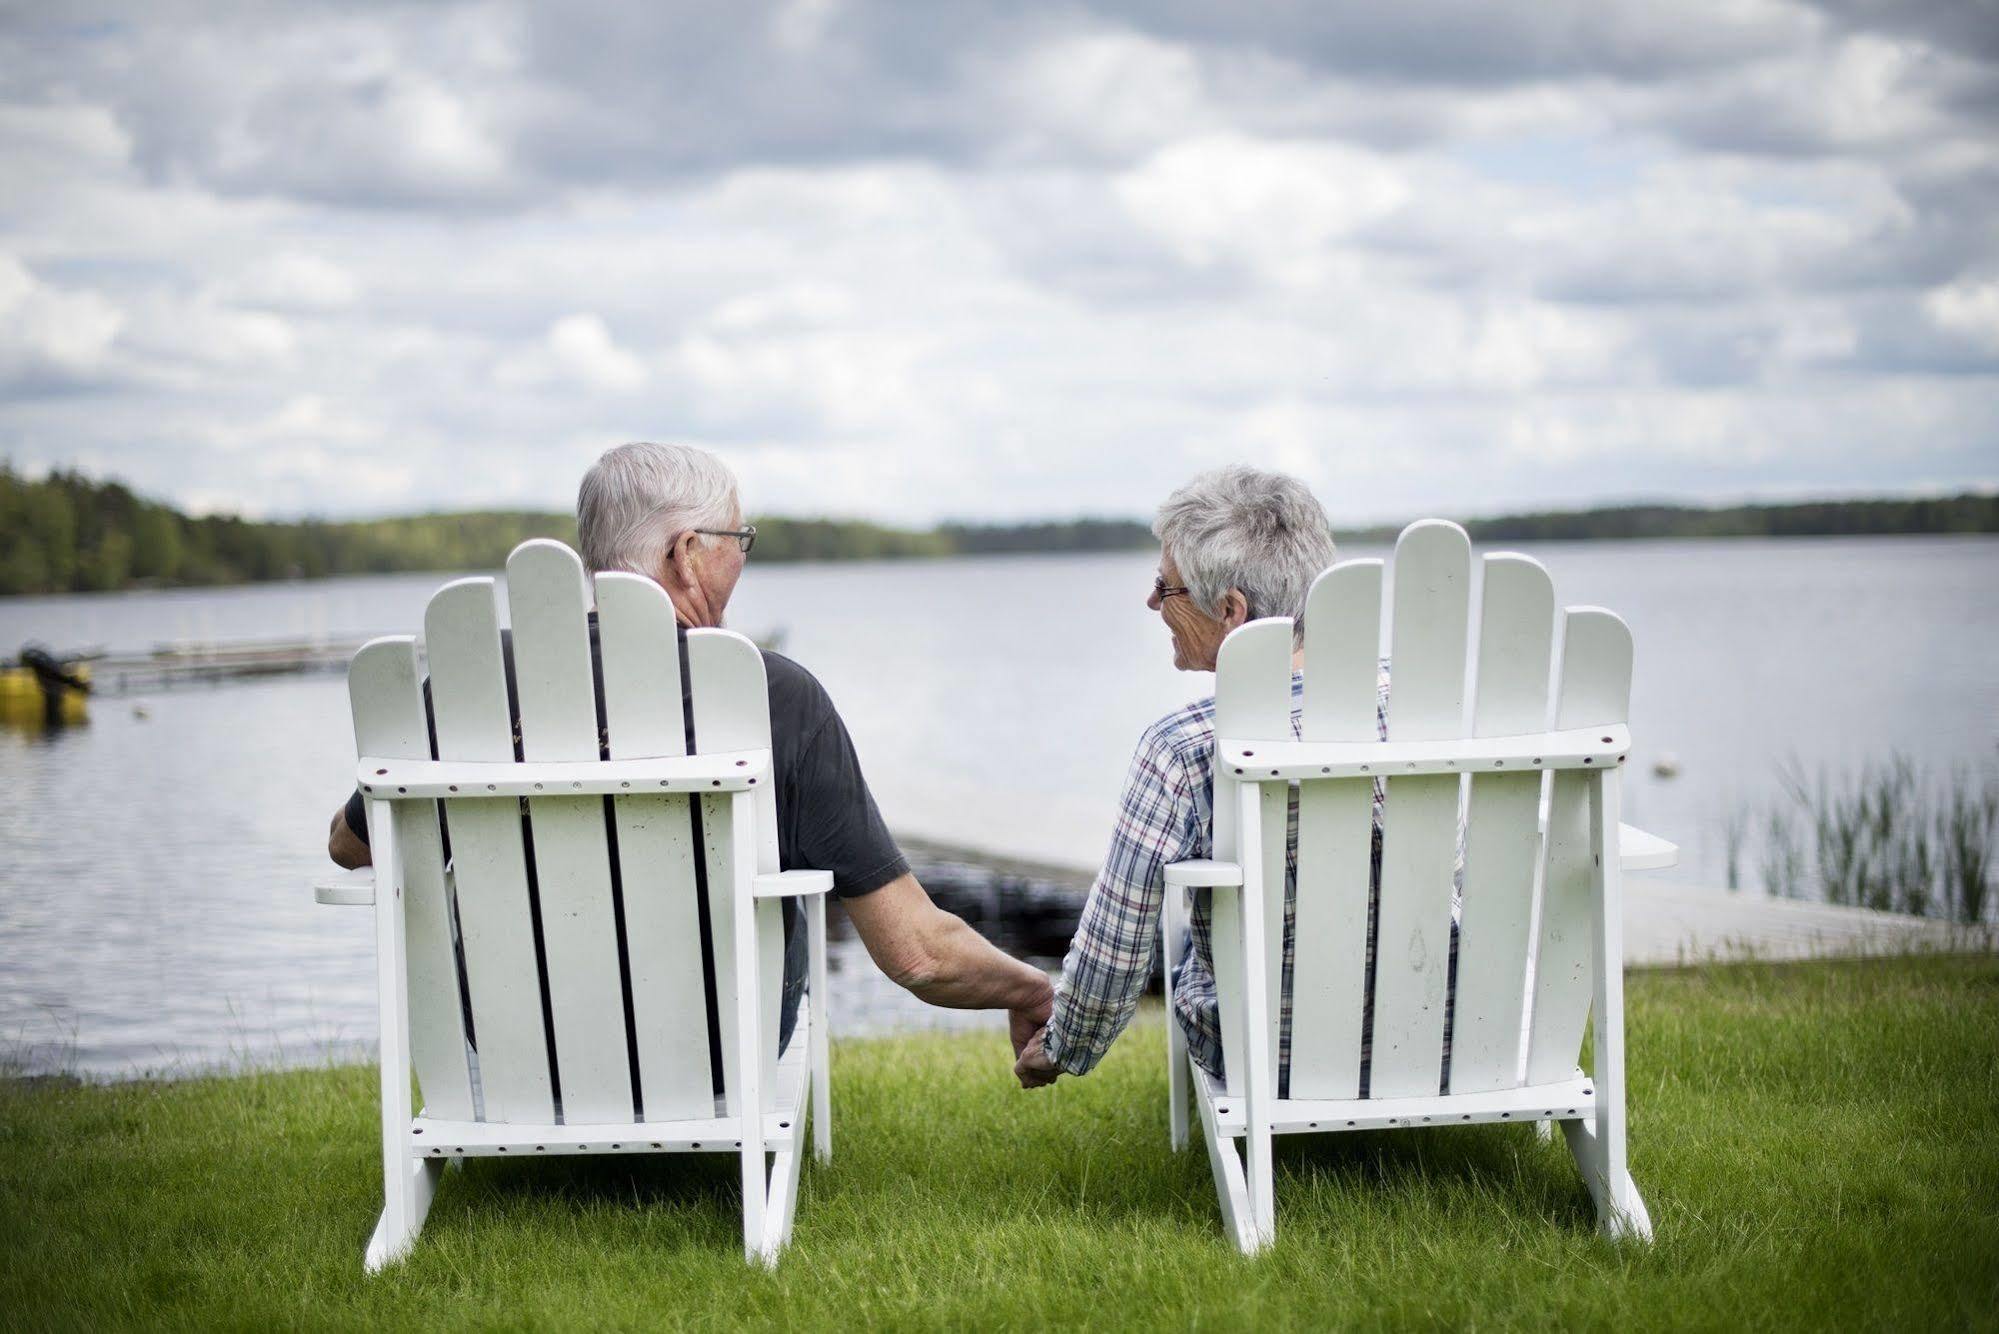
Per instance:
(348,852)
(1025,1022)
(1033,1068)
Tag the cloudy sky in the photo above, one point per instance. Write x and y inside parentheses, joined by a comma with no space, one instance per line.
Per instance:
(956,258)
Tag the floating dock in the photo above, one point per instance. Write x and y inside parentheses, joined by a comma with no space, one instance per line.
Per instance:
(191,662)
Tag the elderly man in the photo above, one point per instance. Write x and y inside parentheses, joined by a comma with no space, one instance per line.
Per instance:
(1235,544)
(672,514)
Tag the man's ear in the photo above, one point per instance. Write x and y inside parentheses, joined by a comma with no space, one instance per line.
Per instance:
(678,566)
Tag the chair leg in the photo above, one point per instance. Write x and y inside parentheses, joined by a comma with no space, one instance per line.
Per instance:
(403,1214)
(1261,1178)
(756,1202)
(1233,1191)
(821,1037)
(1176,1084)
(1620,1210)
(783,1201)
(822,1114)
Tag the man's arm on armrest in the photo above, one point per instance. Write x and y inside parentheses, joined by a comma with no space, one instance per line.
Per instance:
(944,962)
(348,850)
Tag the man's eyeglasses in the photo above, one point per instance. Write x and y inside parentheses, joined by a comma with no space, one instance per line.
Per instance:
(1162,590)
(746,537)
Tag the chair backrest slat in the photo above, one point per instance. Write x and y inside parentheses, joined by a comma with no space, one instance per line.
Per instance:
(644,716)
(1252,702)
(1335,833)
(389,723)
(1594,688)
(731,712)
(1502,840)
(558,714)
(1428,633)
(468,689)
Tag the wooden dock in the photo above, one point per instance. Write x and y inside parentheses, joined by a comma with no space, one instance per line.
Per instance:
(191,662)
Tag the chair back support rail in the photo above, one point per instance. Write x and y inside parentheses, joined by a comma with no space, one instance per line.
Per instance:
(1488,720)
(543,897)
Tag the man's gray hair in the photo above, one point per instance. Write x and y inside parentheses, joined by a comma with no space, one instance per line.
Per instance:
(639,497)
(1261,533)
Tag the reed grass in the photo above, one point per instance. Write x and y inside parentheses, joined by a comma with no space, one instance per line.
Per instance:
(1888,836)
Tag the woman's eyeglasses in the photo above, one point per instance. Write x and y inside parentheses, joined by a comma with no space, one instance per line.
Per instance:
(746,536)
(1162,590)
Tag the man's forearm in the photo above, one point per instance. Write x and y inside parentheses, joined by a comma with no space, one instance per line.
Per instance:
(965,971)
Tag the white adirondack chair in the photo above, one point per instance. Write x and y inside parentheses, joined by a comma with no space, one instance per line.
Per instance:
(1514,1046)
(600,880)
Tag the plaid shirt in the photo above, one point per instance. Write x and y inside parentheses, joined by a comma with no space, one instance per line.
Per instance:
(1167,815)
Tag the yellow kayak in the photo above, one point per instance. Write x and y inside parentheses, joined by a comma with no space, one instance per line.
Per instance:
(25,693)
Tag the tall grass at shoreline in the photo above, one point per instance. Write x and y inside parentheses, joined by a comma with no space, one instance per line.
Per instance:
(1888,836)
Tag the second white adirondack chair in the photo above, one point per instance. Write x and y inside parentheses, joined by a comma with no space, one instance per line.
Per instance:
(1541,926)
(575,882)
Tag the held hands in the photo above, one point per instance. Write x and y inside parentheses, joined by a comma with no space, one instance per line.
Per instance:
(1031,1066)
(1027,1026)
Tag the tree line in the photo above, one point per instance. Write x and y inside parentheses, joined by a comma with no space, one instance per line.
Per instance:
(67,532)
(1968,513)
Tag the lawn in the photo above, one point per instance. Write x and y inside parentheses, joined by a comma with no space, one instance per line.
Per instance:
(1819,1145)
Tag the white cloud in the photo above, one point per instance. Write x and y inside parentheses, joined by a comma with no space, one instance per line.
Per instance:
(576,350)
(294,280)
(1009,261)
(1969,307)
(47,328)
(1106,92)
(1273,207)
(582,345)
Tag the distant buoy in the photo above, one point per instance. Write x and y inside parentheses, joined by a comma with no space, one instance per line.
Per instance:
(139,712)
(1666,766)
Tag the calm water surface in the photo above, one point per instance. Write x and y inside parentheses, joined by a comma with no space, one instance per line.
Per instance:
(155,910)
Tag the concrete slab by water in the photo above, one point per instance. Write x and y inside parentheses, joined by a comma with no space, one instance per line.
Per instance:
(1670,924)
(1665,924)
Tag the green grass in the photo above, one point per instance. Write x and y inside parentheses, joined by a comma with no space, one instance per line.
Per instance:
(1819,1145)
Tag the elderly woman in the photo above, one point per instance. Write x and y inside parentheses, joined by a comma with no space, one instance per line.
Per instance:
(1235,544)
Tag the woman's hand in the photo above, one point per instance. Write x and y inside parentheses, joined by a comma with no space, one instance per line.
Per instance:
(1033,1068)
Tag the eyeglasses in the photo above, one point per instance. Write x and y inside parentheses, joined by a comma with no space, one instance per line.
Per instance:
(1161,590)
(746,536)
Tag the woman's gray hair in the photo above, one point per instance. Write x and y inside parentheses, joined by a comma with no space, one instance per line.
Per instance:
(639,497)
(1261,533)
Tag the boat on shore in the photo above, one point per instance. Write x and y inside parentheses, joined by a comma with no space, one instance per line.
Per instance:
(39,689)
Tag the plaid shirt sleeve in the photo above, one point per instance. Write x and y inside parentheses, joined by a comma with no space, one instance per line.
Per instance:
(1116,941)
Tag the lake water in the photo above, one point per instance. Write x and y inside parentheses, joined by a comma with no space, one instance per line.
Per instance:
(155,910)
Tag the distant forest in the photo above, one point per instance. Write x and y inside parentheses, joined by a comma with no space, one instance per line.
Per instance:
(68,533)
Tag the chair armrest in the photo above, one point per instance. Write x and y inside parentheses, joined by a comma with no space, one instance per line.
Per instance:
(1203,874)
(1640,851)
(354,888)
(791,884)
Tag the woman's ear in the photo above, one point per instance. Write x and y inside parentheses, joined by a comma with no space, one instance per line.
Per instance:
(1235,610)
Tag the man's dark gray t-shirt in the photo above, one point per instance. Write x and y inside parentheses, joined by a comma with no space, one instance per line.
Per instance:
(826,817)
